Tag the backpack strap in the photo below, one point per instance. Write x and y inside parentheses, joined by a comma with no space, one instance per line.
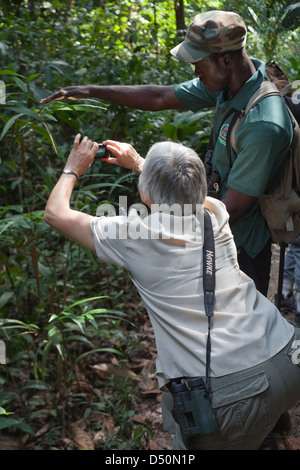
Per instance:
(266,89)
(286,87)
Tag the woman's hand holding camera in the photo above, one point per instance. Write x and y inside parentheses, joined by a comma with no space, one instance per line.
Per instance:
(124,155)
(82,155)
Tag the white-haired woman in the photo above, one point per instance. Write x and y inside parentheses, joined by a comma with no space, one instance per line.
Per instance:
(253,371)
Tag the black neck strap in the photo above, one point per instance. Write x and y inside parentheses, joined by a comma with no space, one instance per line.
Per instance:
(208,285)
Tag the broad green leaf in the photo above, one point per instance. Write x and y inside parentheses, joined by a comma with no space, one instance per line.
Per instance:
(9,124)
(4,298)
(6,226)
(7,422)
(21,85)
(96,351)
(10,72)
(32,76)
(24,111)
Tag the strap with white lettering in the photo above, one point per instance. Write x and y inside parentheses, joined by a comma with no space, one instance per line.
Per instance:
(208,266)
(208,284)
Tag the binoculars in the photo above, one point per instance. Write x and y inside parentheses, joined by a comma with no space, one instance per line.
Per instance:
(192,409)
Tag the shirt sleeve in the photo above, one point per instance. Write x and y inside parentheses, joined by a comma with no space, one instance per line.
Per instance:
(110,236)
(194,95)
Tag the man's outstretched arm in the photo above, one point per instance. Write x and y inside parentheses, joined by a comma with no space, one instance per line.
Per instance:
(144,97)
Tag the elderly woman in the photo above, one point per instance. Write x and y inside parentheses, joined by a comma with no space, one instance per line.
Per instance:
(250,361)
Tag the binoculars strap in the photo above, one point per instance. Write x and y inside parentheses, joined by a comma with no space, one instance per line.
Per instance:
(208,285)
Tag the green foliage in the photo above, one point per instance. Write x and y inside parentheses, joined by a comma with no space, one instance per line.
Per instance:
(81,327)
(185,128)
(273,29)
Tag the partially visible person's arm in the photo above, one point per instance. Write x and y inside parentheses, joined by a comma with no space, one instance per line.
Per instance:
(144,97)
(237,204)
(124,155)
(73,224)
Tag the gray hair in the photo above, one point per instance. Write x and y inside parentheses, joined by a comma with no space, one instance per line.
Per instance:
(173,174)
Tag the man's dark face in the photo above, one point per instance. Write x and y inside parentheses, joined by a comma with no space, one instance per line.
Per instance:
(213,73)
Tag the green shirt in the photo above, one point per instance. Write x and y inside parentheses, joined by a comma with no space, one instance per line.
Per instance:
(263,141)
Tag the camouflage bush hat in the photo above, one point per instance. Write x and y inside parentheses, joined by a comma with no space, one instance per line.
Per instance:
(211,32)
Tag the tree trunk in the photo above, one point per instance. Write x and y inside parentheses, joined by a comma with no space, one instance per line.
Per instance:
(179,10)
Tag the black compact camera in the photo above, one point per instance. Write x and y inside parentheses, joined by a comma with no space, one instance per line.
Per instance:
(213,185)
(102,152)
(213,178)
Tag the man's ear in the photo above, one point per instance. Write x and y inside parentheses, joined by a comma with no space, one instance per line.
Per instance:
(227,60)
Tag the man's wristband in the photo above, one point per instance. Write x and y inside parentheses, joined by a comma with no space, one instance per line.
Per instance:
(70,172)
